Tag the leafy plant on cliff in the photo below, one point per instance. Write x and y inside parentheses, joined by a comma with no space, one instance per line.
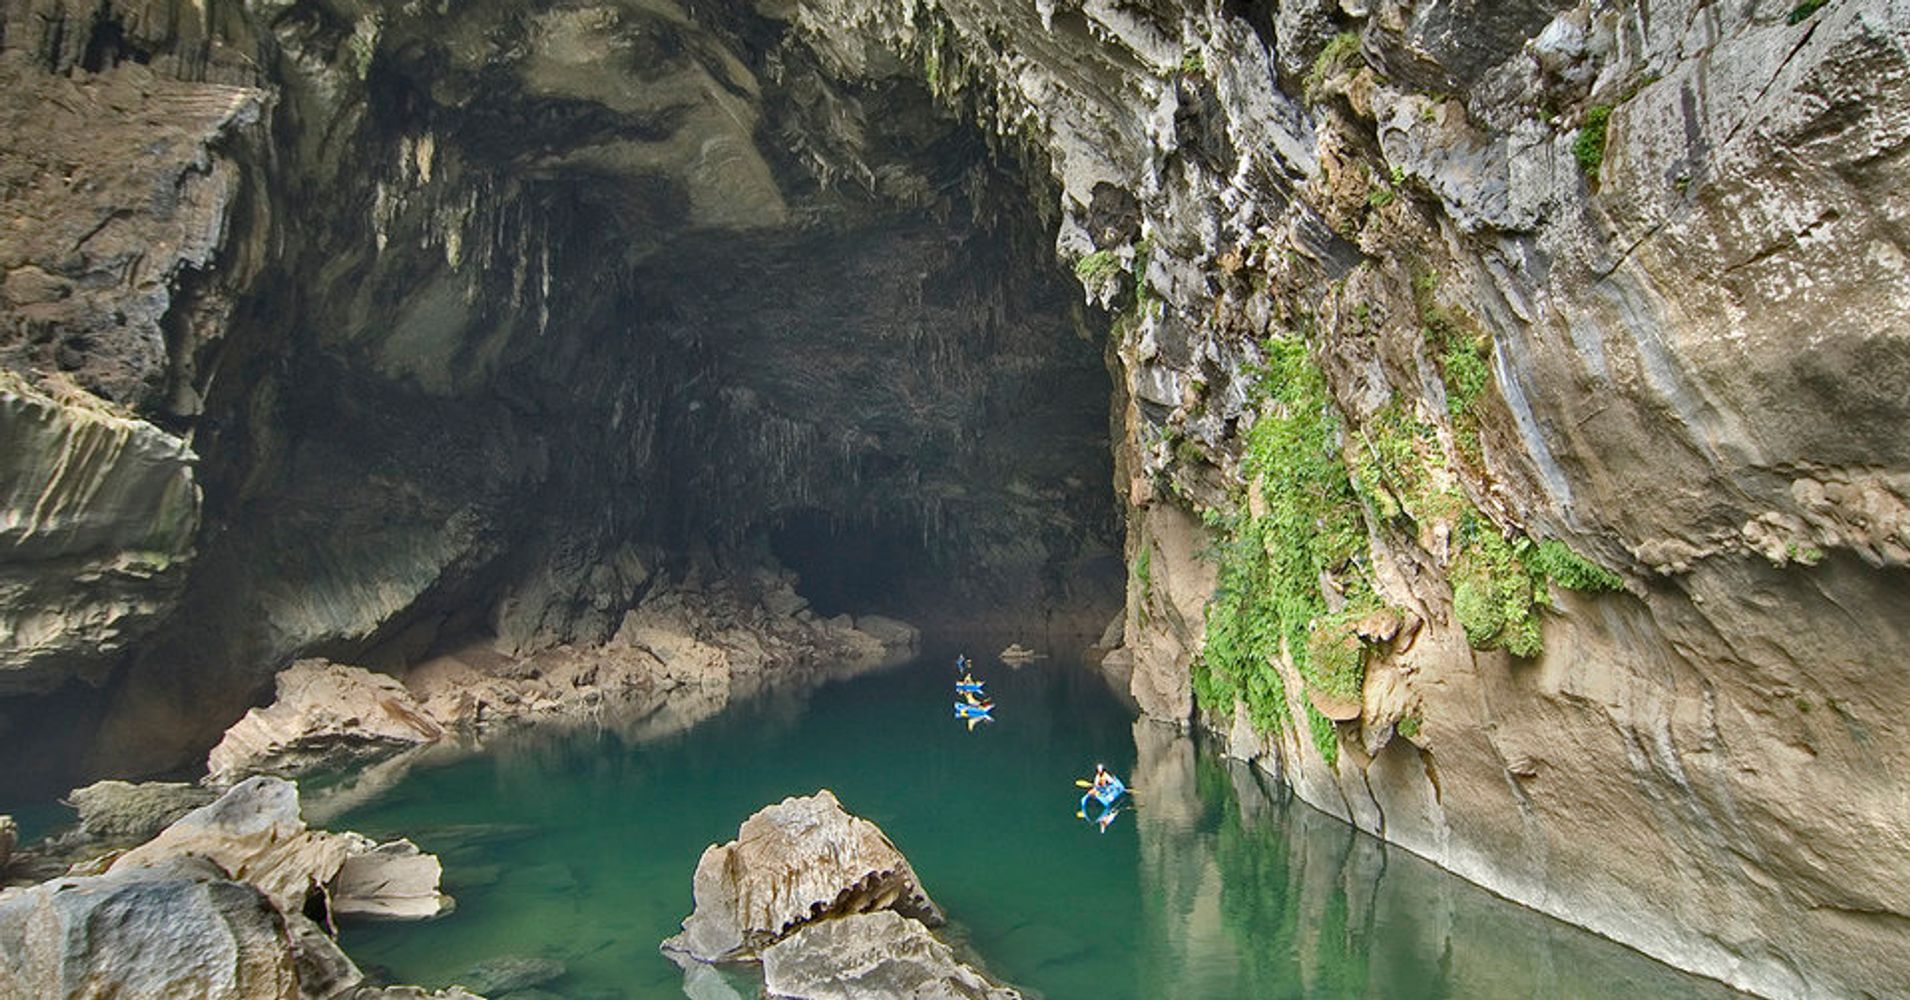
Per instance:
(1589,147)
(1501,585)
(1341,51)
(1309,529)
(1800,13)
(1097,266)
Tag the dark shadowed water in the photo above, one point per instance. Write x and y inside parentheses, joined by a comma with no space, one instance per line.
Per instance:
(580,847)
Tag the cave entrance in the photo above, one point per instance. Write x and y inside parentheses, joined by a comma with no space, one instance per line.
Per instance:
(854,568)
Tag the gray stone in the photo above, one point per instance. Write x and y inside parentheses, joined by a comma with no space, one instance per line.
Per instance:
(177,930)
(9,836)
(121,812)
(871,956)
(892,633)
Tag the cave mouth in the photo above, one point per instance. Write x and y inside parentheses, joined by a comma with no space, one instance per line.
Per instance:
(527,331)
(849,568)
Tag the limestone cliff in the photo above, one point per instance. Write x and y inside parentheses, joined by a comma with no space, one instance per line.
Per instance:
(1535,372)
(1507,397)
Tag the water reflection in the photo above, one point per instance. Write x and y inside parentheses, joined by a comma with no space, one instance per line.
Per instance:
(1251,894)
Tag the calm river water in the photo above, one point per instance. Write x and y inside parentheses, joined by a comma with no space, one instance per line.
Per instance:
(580,847)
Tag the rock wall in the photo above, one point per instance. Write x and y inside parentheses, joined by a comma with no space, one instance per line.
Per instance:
(1533,370)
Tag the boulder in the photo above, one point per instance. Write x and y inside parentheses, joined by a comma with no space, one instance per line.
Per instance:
(179,929)
(121,812)
(800,860)
(871,956)
(324,714)
(892,633)
(254,834)
(394,881)
(9,836)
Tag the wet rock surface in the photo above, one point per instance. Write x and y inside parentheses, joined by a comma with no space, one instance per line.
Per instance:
(224,902)
(801,860)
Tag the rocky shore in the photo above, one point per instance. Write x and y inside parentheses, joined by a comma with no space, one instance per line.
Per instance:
(236,900)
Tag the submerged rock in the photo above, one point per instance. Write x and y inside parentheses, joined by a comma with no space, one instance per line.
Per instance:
(512,974)
(801,860)
(324,714)
(178,929)
(122,812)
(871,956)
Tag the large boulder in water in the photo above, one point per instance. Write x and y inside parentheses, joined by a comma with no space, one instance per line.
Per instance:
(871,956)
(9,835)
(324,714)
(176,930)
(801,860)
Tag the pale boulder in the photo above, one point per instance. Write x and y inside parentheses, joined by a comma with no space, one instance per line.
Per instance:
(324,714)
(801,860)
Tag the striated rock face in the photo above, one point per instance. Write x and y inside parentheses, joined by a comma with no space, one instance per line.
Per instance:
(799,861)
(326,714)
(101,509)
(171,931)
(871,956)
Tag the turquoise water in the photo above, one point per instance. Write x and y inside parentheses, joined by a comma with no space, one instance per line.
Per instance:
(580,847)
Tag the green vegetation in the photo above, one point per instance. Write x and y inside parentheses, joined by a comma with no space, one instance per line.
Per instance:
(1144,576)
(1589,147)
(1804,10)
(1097,266)
(932,57)
(1339,54)
(1464,362)
(1144,299)
(361,46)
(1325,739)
(1380,196)
(1269,599)
(1193,64)
(1501,584)
(1408,727)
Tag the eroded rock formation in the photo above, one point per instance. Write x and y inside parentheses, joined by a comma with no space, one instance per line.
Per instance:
(801,860)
